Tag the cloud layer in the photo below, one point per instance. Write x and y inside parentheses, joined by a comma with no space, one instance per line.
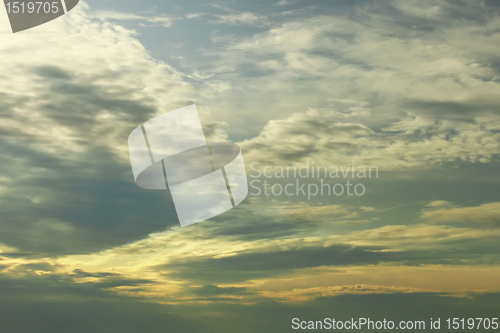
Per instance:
(410,87)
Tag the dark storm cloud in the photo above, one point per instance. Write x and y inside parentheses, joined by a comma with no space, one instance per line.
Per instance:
(8,102)
(80,273)
(268,316)
(17,255)
(56,304)
(250,266)
(30,285)
(23,268)
(51,72)
(74,100)
(98,206)
(111,316)
(102,210)
(133,315)
(465,111)
(116,282)
(242,223)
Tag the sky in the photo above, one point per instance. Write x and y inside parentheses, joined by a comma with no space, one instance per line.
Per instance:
(409,87)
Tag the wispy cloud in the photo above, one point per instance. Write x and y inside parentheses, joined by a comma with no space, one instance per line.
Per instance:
(244,18)
(163,20)
(445,212)
(232,18)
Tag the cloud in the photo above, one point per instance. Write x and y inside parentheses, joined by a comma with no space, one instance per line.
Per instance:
(244,18)
(80,273)
(106,15)
(306,294)
(419,236)
(55,303)
(384,278)
(67,110)
(323,213)
(397,85)
(421,81)
(243,247)
(276,317)
(211,290)
(232,17)
(429,10)
(319,136)
(304,136)
(162,20)
(259,265)
(282,3)
(443,212)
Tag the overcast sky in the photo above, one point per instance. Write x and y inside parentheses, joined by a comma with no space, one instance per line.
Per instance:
(411,87)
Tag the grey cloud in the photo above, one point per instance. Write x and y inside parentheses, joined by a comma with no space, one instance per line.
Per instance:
(249,266)
(274,262)
(68,184)
(270,316)
(21,313)
(55,304)
(80,273)
(211,290)
(92,214)
(52,72)
(124,316)
(245,224)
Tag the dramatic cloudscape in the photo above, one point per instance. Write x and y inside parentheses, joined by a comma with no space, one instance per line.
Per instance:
(410,88)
